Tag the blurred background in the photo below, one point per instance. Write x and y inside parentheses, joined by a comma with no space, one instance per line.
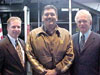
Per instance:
(16,8)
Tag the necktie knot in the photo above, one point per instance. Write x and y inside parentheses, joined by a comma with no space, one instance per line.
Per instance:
(16,43)
(83,38)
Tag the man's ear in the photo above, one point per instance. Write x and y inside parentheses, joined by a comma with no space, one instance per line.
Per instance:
(57,18)
(90,22)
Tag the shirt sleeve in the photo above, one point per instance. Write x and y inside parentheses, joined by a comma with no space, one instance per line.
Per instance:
(32,59)
(66,62)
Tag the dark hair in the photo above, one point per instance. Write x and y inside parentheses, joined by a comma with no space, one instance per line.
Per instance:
(50,7)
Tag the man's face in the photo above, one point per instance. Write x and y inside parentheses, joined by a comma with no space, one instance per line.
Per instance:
(83,23)
(14,29)
(49,18)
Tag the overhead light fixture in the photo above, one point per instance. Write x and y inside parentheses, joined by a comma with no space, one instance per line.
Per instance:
(67,9)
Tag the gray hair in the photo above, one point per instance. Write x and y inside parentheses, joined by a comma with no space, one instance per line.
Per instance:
(83,12)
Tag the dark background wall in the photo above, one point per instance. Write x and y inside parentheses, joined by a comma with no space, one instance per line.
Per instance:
(15,8)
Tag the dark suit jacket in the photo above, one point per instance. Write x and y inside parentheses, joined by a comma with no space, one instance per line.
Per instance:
(87,62)
(9,61)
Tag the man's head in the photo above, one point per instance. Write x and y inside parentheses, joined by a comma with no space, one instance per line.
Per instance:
(49,17)
(83,20)
(14,26)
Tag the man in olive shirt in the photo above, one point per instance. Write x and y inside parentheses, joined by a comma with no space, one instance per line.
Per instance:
(49,48)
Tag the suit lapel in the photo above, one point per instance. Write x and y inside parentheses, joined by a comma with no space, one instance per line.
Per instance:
(22,44)
(12,51)
(23,48)
(89,41)
(76,42)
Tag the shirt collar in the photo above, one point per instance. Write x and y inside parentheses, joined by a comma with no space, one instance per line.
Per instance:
(86,34)
(12,40)
(42,32)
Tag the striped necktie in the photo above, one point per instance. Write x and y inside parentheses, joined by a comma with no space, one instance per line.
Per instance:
(18,49)
(82,42)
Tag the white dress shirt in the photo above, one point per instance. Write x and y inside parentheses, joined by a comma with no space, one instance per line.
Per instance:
(87,34)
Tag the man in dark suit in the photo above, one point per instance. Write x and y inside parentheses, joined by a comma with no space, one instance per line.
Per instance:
(87,48)
(10,62)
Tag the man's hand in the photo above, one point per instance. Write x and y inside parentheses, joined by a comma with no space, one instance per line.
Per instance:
(51,72)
